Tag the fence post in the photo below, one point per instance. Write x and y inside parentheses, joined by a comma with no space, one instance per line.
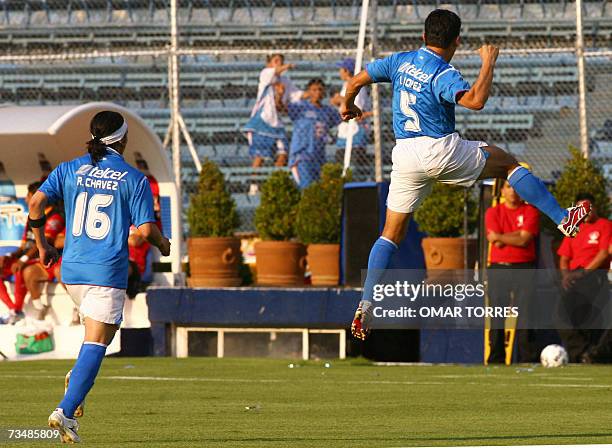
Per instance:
(358,63)
(173,84)
(582,112)
(378,161)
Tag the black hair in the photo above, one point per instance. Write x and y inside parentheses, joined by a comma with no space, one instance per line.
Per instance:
(102,125)
(315,81)
(442,27)
(273,55)
(33,187)
(582,196)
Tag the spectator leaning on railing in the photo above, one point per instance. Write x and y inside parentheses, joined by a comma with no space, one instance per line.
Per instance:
(584,262)
(511,229)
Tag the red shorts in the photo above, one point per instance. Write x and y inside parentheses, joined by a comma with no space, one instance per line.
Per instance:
(50,271)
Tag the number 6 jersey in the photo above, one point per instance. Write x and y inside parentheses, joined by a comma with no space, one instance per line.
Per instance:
(425,91)
(101,201)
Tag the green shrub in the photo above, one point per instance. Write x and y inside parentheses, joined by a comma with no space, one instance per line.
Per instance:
(441,213)
(581,175)
(320,209)
(212,210)
(275,216)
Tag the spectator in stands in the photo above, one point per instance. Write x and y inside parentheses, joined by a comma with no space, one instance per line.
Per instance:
(312,121)
(265,130)
(584,262)
(511,227)
(12,266)
(359,127)
(138,251)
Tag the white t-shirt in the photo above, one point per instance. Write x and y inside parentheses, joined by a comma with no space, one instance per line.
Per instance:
(265,96)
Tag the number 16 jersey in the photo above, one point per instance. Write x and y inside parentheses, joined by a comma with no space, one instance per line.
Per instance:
(425,91)
(101,201)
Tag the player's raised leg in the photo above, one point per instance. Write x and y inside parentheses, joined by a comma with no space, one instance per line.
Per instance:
(500,164)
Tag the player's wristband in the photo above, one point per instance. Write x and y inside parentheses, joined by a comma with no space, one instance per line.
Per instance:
(24,258)
(37,223)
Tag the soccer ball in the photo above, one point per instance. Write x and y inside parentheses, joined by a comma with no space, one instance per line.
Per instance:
(553,356)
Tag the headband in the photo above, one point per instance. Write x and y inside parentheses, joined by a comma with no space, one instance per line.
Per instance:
(115,136)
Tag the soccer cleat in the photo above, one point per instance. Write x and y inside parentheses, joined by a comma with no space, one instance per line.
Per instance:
(67,427)
(359,327)
(575,216)
(79,411)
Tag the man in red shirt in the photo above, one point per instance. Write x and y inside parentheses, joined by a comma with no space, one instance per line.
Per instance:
(584,262)
(511,229)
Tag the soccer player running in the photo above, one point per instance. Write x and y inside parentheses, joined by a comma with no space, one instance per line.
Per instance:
(426,89)
(103,196)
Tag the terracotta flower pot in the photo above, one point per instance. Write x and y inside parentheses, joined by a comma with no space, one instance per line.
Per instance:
(324,264)
(447,253)
(280,263)
(214,261)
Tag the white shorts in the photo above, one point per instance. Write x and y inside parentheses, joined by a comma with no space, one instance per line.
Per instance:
(421,161)
(99,303)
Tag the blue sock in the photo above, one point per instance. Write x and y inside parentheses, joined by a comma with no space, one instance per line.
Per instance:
(82,377)
(380,257)
(532,190)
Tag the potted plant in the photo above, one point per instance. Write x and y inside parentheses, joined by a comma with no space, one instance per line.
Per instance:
(214,252)
(441,217)
(318,224)
(280,260)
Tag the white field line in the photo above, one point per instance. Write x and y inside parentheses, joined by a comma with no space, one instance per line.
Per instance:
(278,381)
(157,378)
(498,375)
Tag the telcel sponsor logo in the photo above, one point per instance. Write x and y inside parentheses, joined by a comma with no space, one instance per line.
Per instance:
(97,173)
(415,72)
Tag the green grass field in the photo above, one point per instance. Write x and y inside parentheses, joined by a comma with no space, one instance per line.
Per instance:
(204,402)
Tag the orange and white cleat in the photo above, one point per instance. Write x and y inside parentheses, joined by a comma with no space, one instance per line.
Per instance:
(360,326)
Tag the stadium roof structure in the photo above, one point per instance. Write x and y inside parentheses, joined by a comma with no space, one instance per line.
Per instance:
(60,133)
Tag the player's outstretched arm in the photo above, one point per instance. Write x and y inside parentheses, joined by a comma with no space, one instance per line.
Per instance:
(36,218)
(477,96)
(151,233)
(348,110)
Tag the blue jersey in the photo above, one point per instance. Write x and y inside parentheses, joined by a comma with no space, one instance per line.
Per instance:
(101,202)
(425,90)
(311,125)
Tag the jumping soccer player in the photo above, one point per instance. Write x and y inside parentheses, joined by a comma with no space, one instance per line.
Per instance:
(103,196)
(426,89)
